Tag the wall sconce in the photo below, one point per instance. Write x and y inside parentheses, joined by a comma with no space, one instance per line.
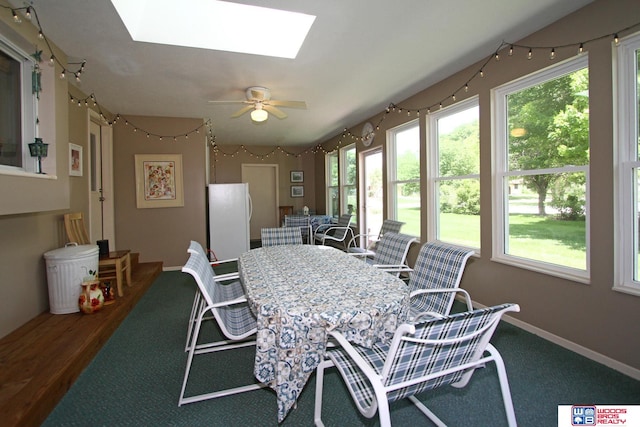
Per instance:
(38,149)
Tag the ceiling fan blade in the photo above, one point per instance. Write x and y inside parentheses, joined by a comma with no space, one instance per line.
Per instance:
(288,104)
(242,111)
(276,112)
(227,102)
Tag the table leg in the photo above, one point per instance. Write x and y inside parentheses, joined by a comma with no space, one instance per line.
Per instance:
(119,276)
(128,269)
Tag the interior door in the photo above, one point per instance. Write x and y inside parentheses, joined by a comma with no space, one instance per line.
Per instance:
(101,203)
(371,203)
(263,189)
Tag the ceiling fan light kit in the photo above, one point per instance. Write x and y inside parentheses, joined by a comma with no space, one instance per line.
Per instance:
(259,102)
(259,115)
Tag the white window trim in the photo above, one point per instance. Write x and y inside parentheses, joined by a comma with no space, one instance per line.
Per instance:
(28,114)
(327,167)
(433,164)
(625,140)
(342,174)
(392,172)
(500,170)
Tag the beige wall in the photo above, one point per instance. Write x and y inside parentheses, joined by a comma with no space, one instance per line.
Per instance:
(159,234)
(30,207)
(592,316)
(226,168)
(589,315)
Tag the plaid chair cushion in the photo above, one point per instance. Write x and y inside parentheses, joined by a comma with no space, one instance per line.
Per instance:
(281,236)
(335,231)
(303,222)
(390,226)
(392,249)
(415,360)
(438,266)
(235,318)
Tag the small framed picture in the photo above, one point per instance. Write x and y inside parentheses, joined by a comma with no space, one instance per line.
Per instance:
(297,191)
(297,176)
(75,160)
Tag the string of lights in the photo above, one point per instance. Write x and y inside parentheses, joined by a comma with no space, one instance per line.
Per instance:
(29,12)
(91,100)
(480,73)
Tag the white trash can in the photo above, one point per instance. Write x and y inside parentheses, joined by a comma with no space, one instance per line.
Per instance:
(66,268)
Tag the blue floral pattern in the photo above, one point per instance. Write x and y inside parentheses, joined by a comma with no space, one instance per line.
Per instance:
(298,293)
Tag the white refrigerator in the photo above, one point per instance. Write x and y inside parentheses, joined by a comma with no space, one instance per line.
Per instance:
(229,216)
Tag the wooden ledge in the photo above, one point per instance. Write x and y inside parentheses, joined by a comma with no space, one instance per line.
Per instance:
(41,360)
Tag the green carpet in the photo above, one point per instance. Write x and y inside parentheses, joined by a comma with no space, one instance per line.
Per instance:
(136,378)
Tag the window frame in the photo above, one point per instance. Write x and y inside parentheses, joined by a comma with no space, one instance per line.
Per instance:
(433,166)
(29,108)
(343,176)
(329,185)
(626,93)
(392,173)
(500,171)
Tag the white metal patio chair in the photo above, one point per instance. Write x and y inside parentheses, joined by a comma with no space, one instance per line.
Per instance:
(280,236)
(435,279)
(391,255)
(371,240)
(335,232)
(198,302)
(421,357)
(228,306)
(303,222)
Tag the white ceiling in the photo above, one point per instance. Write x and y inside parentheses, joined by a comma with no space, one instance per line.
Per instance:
(358,57)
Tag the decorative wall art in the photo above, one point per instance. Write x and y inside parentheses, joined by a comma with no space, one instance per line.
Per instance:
(297,191)
(159,181)
(75,160)
(297,176)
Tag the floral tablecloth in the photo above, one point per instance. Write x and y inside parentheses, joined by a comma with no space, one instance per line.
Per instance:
(298,293)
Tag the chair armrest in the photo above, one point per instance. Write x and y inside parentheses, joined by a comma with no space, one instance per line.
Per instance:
(391,268)
(359,236)
(466,295)
(223,261)
(320,227)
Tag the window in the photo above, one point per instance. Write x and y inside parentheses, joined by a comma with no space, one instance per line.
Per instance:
(541,166)
(404,176)
(628,166)
(453,156)
(333,188)
(348,180)
(17,108)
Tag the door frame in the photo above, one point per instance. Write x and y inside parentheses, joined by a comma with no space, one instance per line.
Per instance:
(105,170)
(276,172)
(362,190)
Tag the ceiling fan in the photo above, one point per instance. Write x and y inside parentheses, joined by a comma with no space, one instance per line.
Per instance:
(259,100)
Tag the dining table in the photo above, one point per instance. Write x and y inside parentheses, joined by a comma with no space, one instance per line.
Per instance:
(301,292)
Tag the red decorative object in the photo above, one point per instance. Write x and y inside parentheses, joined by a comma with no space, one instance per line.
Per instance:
(91,298)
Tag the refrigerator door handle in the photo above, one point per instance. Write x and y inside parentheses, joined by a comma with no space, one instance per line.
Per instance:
(250,206)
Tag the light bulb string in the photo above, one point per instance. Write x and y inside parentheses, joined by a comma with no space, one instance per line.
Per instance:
(31,13)
(398,108)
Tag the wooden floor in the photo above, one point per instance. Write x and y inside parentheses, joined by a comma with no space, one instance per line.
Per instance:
(40,360)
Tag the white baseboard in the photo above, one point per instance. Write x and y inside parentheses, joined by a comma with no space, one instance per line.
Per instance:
(569,345)
(176,268)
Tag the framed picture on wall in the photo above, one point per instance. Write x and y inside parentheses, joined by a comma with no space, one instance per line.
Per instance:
(75,160)
(297,176)
(159,181)
(297,191)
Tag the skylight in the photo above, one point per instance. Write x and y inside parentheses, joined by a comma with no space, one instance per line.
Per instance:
(217,25)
